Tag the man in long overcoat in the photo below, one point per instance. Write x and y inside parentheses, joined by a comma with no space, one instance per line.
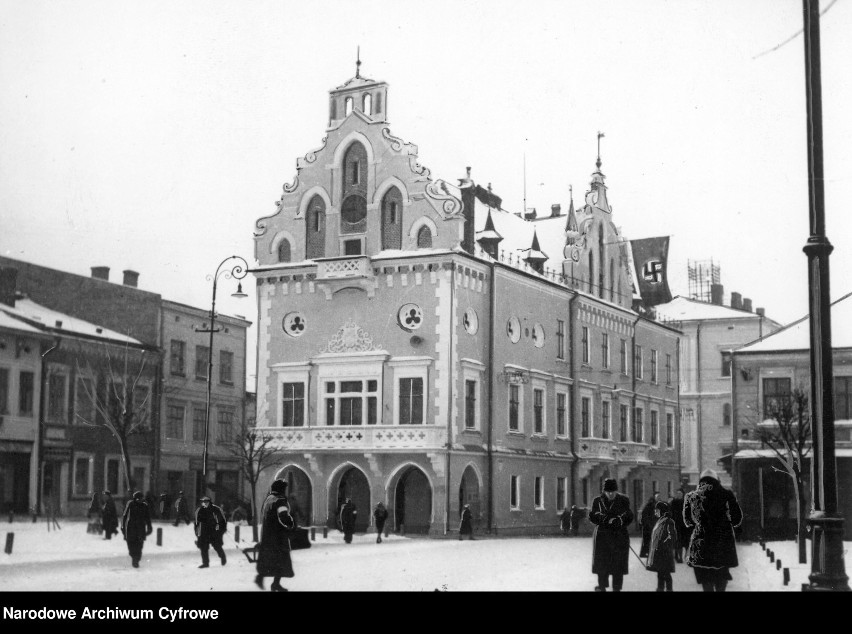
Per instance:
(381,516)
(611,516)
(136,526)
(273,550)
(348,514)
(466,524)
(210,527)
(714,512)
(109,516)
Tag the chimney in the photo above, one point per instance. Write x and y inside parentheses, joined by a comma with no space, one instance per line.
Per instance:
(747,304)
(100,273)
(736,300)
(131,278)
(716,293)
(8,285)
(760,311)
(555,210)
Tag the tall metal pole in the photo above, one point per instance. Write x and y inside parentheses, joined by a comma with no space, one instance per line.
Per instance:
(824,522)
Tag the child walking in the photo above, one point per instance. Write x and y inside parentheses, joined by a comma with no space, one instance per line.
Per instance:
(661,556)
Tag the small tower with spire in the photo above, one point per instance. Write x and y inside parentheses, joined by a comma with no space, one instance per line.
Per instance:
(535,256)
(488,238)
(367,96)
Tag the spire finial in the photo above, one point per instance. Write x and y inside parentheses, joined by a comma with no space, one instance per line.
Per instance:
(358,66)
(468,172)
(598,163)
(571,192)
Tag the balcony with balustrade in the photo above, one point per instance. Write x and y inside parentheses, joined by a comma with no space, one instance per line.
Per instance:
(343,267)
(356,438)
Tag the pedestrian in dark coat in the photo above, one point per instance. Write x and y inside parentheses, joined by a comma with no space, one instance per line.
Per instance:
(381,516)
(152,505)
(647,520)
(565,521)
(663,546)
(611,516)
(109,516)
(683,532)
(574,519)
(273,550)
(136,526)
(181,509)
(348,514)
(714,512)
(466,524)
(165,506)
(210,527)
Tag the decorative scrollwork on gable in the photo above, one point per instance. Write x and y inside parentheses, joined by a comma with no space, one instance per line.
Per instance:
(398,145)
(449,204)
(311,156)
(289,189)
(261,222)
(350,338)
(417,168)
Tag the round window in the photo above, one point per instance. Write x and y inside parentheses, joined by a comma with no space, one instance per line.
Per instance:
(513,329)
(410,317)
(538,335)
(354,209)
(470,321)
(294,324)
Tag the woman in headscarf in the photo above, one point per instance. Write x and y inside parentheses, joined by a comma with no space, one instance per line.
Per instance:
(714,512)
(273,550)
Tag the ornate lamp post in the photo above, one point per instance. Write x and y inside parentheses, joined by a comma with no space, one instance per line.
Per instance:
(825,523)
(237,271)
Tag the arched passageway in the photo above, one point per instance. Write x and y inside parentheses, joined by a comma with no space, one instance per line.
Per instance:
(353,484)
(412,502)
(469,494)
(300,495)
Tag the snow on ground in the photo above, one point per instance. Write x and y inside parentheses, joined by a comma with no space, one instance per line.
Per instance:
(71,559)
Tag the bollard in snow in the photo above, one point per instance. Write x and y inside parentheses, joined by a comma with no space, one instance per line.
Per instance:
(325,532)
(237,533)
(313,534)
(786,576)
(777,564)
(160,536)
(10,537)
(771,556)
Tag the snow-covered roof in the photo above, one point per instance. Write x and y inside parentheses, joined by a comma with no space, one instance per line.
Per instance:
(54,320)
(685,309)
(797,336)
(14,323)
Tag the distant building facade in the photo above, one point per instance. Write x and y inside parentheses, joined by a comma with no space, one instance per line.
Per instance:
(420,346)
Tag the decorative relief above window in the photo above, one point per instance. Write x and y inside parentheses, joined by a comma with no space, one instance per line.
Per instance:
(538,336)
(410,317)
(513,329)
(294,324)
(470,321)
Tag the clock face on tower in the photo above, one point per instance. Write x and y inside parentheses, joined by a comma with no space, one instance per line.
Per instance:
(354,210)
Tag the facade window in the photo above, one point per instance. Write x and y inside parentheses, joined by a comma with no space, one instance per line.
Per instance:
(625,422)
(726,364)
(293,405)
(637,361)
(623,354)
(561,407)
(669,430)
(654,428)
(351,402)
(668,369)
(226,367)
(538,411)
(56,401)
(348,106)
(202,358)
(174,421)
(470,404)
(177,357)
(226,425)
(775,393)
(638,423)
(26,393)
(284,250)
(585,415)
(726,414)
(842,397)
(514,407)
(653,366)
(391,219)
(561,494)
(4,391)
(424,238)
(411,401)
(560,339)
(140,404)
(539,493)
(585,342)
(199,419)
(514,492)
(82,476)
(352,247)
(367,102)
(605,350)
(355,166)
(315,228)
(605,417)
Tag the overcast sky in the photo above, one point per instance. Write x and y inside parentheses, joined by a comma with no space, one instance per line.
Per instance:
(152,135)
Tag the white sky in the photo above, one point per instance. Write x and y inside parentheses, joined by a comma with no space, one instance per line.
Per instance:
(151,135)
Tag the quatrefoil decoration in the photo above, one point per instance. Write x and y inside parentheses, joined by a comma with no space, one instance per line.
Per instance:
(410,317)
(470,321)
(294,324)
(513,329)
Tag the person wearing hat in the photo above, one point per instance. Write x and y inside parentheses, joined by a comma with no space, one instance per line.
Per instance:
(181,509)
(136,526)
(210,527)
(109,516)
(663,546)
(381,516)
(611,516)
(348,514)
(273,550)
(714,512)
(466,525)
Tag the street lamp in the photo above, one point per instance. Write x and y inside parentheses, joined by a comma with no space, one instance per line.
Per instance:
(825,523)
(238,271)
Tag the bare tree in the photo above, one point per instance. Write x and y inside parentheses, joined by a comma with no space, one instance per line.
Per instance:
(790,438)
(123,403)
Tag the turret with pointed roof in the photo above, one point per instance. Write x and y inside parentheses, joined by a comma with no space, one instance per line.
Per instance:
(535,256)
